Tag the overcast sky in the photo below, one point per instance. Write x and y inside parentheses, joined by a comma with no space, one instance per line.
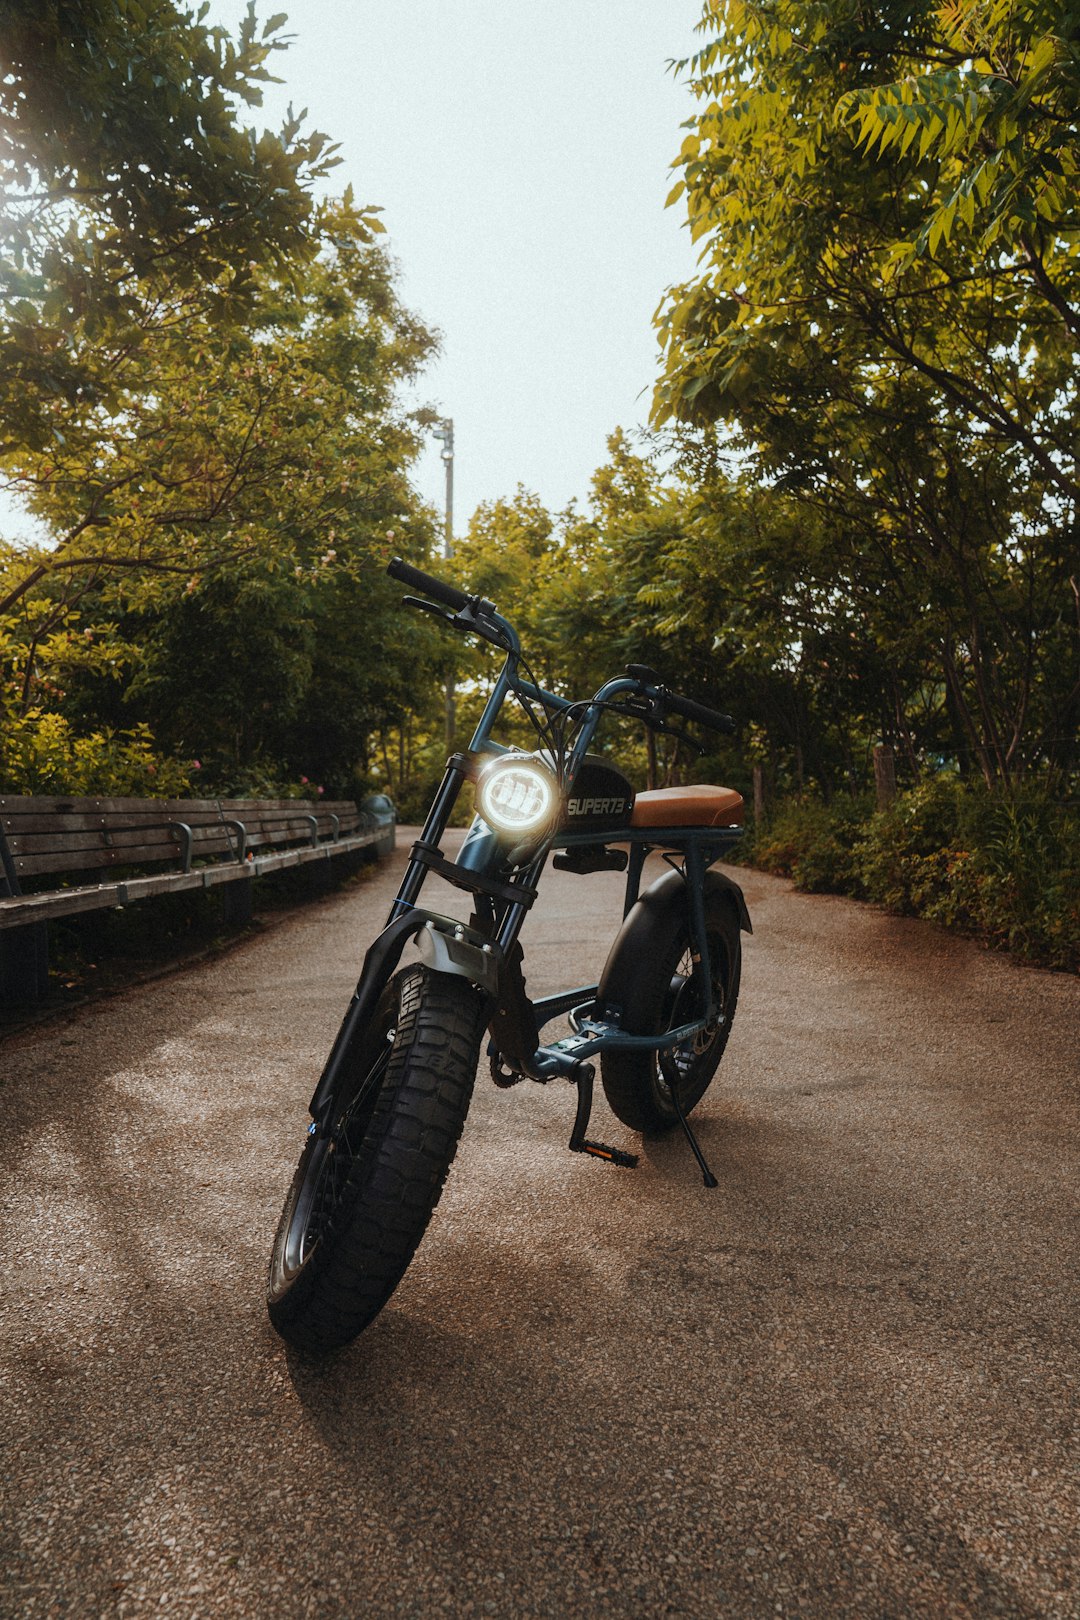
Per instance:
(520,155)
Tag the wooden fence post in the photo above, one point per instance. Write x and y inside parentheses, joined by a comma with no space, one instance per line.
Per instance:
(759,795)
(884,775)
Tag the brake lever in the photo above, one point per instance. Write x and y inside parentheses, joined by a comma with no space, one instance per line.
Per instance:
(472,619)
(468,620)
(683,737)
(427,607)
(648,711)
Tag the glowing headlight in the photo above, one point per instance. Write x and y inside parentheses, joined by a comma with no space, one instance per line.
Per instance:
(517,796)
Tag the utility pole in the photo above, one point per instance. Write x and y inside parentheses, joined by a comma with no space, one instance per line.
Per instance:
(444,430)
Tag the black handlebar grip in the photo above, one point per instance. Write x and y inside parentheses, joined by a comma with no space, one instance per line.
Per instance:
(449,595)
(697,711)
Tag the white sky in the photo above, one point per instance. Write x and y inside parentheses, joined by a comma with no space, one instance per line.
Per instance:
(520,154)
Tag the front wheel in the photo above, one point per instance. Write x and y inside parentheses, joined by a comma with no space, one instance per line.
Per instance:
(368,1181)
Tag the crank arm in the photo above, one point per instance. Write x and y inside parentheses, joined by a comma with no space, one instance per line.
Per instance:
(579,1142)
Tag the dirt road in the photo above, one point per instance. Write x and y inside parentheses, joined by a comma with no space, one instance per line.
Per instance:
(843,1384)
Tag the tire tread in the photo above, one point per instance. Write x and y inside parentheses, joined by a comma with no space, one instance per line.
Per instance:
(398,1175)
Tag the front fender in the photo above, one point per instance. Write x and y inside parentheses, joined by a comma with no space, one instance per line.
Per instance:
(445,944)
(450,947)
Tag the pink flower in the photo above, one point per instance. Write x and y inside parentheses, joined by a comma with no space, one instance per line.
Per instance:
(195,765)
(320,790)
(303,779)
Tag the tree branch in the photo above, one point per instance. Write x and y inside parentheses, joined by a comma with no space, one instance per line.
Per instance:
(1049,289)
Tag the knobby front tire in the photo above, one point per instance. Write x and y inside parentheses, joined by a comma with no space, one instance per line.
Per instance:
(366,1186)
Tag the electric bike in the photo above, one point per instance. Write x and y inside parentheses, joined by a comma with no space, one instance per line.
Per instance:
(389,1107)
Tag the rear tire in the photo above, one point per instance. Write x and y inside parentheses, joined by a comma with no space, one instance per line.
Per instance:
(653,987)
(367,1183)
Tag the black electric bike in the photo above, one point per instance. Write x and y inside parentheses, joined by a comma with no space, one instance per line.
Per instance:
(389,1107)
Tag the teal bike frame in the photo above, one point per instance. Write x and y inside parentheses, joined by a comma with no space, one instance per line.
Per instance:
(486,949)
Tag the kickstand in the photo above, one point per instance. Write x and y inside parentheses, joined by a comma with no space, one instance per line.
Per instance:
(583,1077)
(668,1070)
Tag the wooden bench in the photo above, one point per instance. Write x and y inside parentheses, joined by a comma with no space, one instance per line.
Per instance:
(59,857)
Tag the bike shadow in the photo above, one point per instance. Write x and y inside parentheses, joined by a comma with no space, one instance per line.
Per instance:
(518,1425)
(688,1374)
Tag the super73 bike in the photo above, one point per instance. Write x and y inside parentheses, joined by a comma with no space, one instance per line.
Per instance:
(389,1107)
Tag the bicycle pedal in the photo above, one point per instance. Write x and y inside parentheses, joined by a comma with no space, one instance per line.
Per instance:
(625,1161)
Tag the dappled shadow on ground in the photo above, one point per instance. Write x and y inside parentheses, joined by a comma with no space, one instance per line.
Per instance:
(842,1384)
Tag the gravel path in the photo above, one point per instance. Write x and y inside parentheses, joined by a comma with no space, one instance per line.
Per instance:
(844,1384)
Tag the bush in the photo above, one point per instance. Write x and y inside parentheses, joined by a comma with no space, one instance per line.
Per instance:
(39,753)
(1006,869)
(261,779)
(811,842)
(902,853)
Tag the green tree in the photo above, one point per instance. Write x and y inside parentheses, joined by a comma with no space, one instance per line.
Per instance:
(997,110)
(131,184)
(227,522)
(922,403)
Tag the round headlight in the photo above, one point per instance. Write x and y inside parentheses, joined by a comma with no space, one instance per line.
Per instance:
(517,796)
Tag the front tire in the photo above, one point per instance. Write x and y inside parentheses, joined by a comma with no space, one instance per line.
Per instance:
(368,1181)
(652,985)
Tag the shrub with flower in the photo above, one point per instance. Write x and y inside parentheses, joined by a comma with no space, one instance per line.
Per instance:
(41,754)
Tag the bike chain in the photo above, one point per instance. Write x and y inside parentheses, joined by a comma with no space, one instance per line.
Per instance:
(503,1076)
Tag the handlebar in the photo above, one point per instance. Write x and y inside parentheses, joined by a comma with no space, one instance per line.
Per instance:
(689,710)
(480,612)
(448,595)
(674,704)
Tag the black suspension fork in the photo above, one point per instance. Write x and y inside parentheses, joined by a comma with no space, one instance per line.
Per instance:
(384,955)
(514,1027)
(455,776)
(514,915)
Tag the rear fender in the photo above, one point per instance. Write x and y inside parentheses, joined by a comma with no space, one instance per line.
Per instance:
(720,880)
(651,922)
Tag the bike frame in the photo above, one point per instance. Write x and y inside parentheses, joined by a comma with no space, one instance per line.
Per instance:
(485,950)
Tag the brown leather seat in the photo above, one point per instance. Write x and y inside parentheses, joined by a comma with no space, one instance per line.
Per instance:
(688,807)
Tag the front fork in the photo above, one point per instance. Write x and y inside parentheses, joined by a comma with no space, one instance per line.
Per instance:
(445,943)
